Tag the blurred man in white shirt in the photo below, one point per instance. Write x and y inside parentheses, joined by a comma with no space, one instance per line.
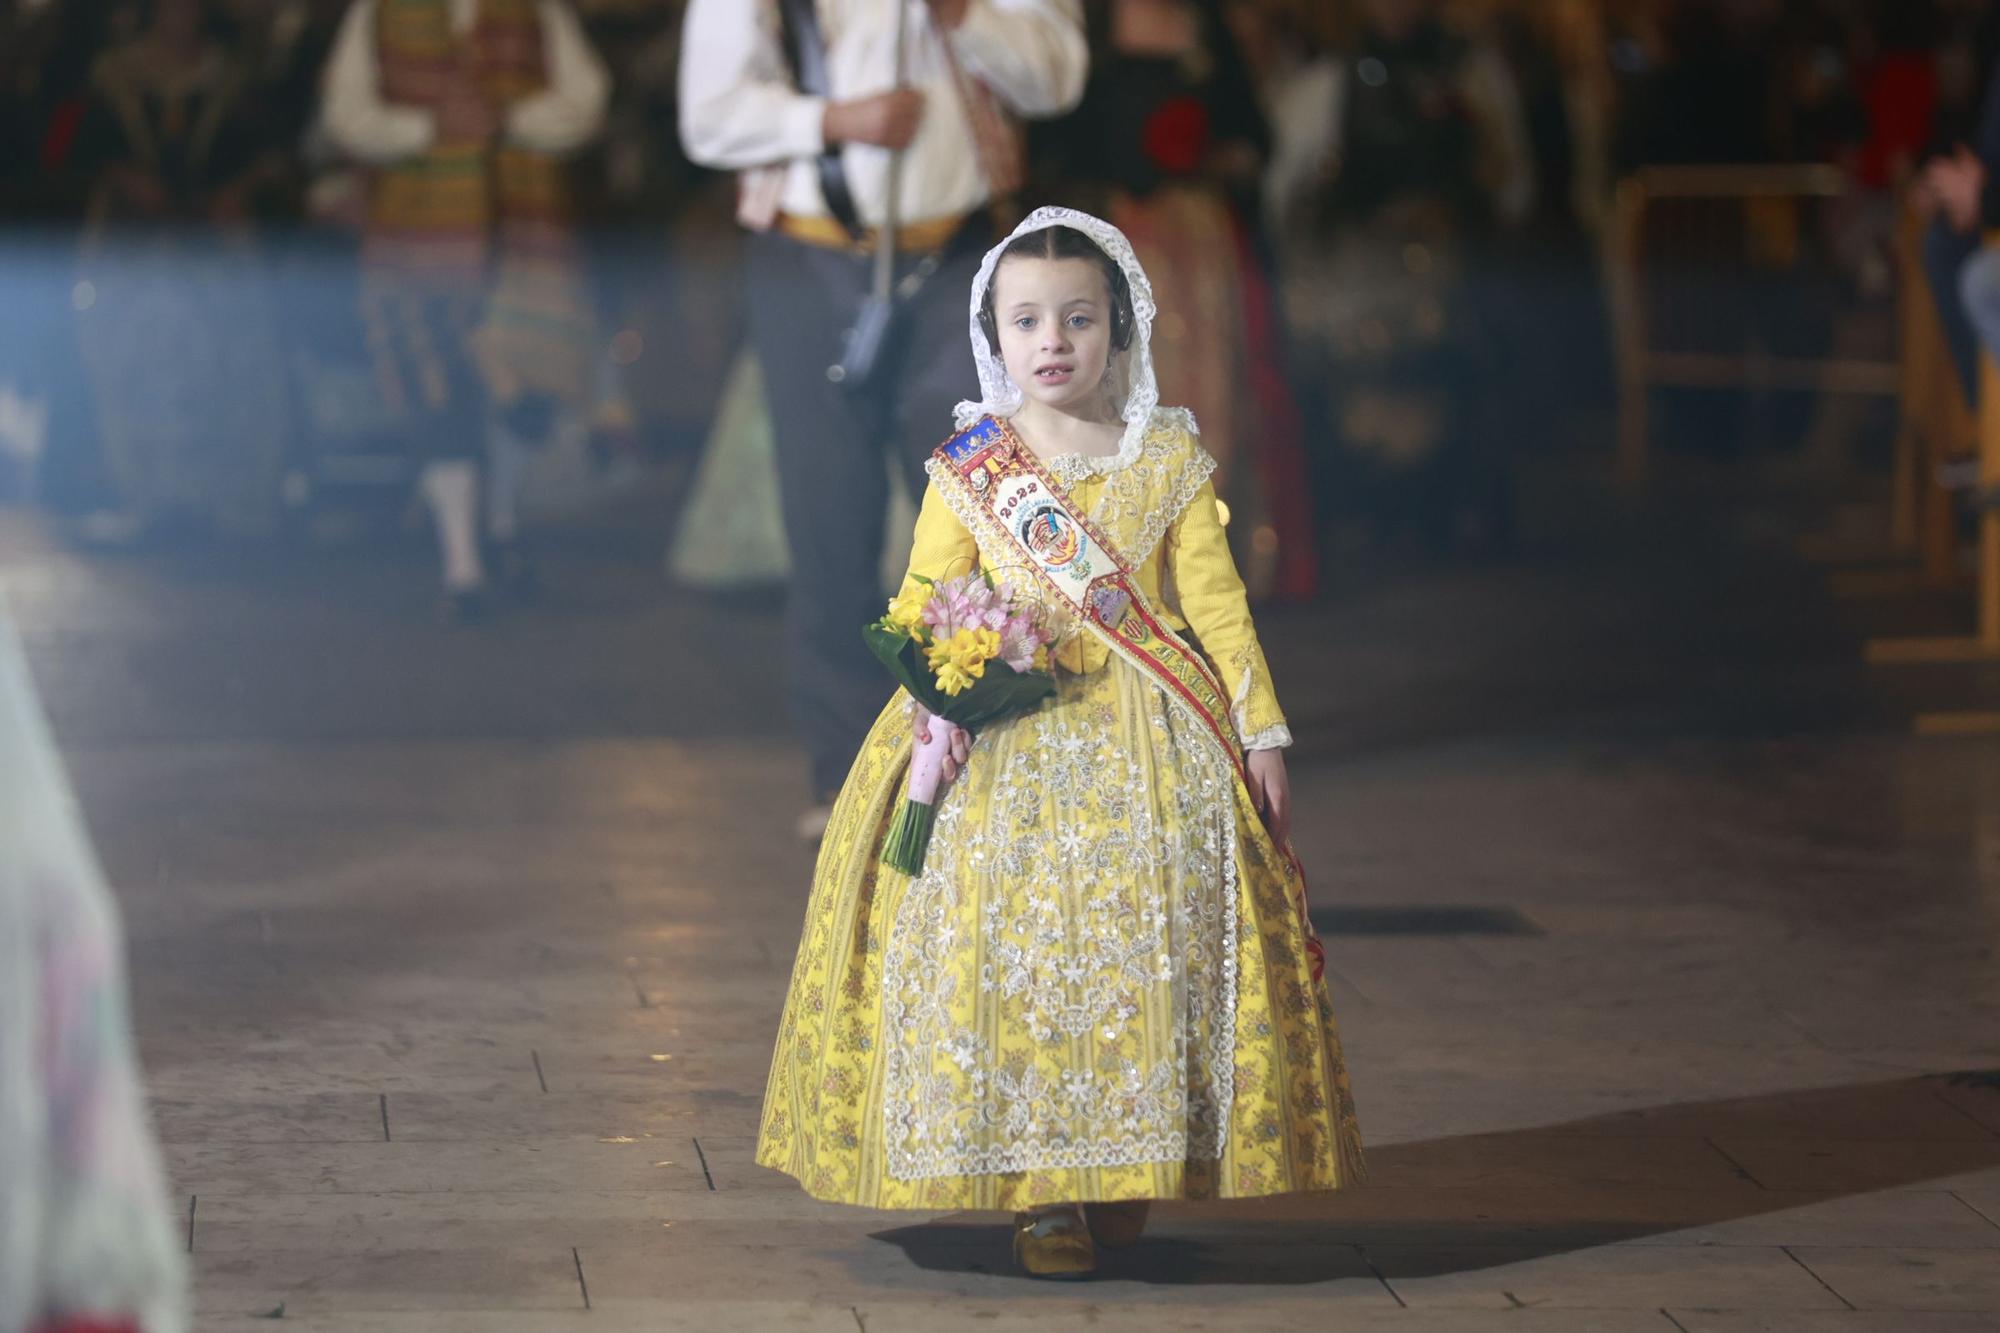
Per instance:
(814,140)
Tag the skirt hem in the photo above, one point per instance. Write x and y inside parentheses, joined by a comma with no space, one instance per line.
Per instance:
(849,1199)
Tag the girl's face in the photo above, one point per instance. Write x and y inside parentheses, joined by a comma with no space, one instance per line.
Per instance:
(1054,317)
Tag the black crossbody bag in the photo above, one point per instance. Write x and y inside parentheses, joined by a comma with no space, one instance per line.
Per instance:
(862,343)
(805,50)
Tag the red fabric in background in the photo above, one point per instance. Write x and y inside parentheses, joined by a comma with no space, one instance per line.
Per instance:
(61,136)
(1176,136)
(1278,447)
(90,1325)
(1899,94)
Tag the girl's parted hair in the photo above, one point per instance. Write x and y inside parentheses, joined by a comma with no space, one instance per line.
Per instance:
(1063,243)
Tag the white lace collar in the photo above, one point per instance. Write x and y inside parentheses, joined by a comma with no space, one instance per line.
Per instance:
(1073,467)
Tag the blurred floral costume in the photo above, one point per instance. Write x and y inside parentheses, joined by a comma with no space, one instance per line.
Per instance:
(1424,160)
(482,226)
(1169,136)
(85,1234)
(473,292)
(1102,986)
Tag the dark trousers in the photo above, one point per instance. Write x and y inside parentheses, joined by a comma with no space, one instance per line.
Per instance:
(835,446)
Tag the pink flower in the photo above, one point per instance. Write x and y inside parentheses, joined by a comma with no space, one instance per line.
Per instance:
(968,602)
(965,602)
(1019,640)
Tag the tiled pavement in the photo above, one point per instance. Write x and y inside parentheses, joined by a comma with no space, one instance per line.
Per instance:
(457,958)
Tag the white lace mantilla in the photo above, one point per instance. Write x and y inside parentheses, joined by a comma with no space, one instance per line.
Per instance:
(1134,390)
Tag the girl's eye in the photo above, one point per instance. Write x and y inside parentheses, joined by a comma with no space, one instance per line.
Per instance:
(1079,321)
(1025,322)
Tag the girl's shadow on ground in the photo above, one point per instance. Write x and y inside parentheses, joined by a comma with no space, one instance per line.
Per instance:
(1473,1202)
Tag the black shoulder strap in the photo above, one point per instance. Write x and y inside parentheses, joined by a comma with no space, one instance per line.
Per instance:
(805,49)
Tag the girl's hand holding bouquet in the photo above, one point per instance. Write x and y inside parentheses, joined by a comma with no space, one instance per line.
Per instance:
(956,740)
(970,651)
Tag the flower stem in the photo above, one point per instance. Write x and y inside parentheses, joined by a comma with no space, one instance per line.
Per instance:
(909,837)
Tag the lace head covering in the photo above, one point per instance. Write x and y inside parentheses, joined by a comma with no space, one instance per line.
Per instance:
(1130,374)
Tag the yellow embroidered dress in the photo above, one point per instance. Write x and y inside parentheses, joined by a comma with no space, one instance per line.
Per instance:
(1098,989)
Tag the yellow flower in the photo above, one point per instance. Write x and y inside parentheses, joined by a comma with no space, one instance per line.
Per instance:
(953,679)
(950,652)
(962,659)
(906,610)
(971,646)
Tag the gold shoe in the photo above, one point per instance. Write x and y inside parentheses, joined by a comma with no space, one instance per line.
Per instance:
(1054,1242)
(1117,1226)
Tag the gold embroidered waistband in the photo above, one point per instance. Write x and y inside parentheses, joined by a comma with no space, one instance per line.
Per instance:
(917,238)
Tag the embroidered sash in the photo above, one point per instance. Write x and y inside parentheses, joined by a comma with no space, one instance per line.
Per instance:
(1071,557)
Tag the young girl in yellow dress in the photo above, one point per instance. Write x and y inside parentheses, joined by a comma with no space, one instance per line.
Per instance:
(1102,988)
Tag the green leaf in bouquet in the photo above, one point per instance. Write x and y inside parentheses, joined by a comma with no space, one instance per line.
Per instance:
(904,658)
(1001,692)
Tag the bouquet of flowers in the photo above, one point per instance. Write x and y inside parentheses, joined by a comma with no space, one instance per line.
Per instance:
(970,650)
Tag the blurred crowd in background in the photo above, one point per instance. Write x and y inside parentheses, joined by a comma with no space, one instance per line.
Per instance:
(1383,217)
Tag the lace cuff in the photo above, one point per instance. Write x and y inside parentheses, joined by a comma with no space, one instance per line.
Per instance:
(1254,710)
(1278,737)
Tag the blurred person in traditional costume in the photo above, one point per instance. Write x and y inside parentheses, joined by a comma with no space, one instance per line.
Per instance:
(861,128)
(1423,159)
(473,293)
(173,313)
(1542,305)
(1171,143)
(86,1245)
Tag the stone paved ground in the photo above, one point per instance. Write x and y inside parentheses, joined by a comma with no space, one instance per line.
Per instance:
(457,955)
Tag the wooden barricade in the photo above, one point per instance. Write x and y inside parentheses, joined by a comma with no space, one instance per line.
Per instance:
(1937,421)
(1768,201)
(1935,426)
(1983,644)
(1937,414)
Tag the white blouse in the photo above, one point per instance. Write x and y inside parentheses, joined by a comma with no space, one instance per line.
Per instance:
(740,110)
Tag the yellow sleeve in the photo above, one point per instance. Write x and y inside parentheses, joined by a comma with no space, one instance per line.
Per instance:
(1217,609)
(943,548)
